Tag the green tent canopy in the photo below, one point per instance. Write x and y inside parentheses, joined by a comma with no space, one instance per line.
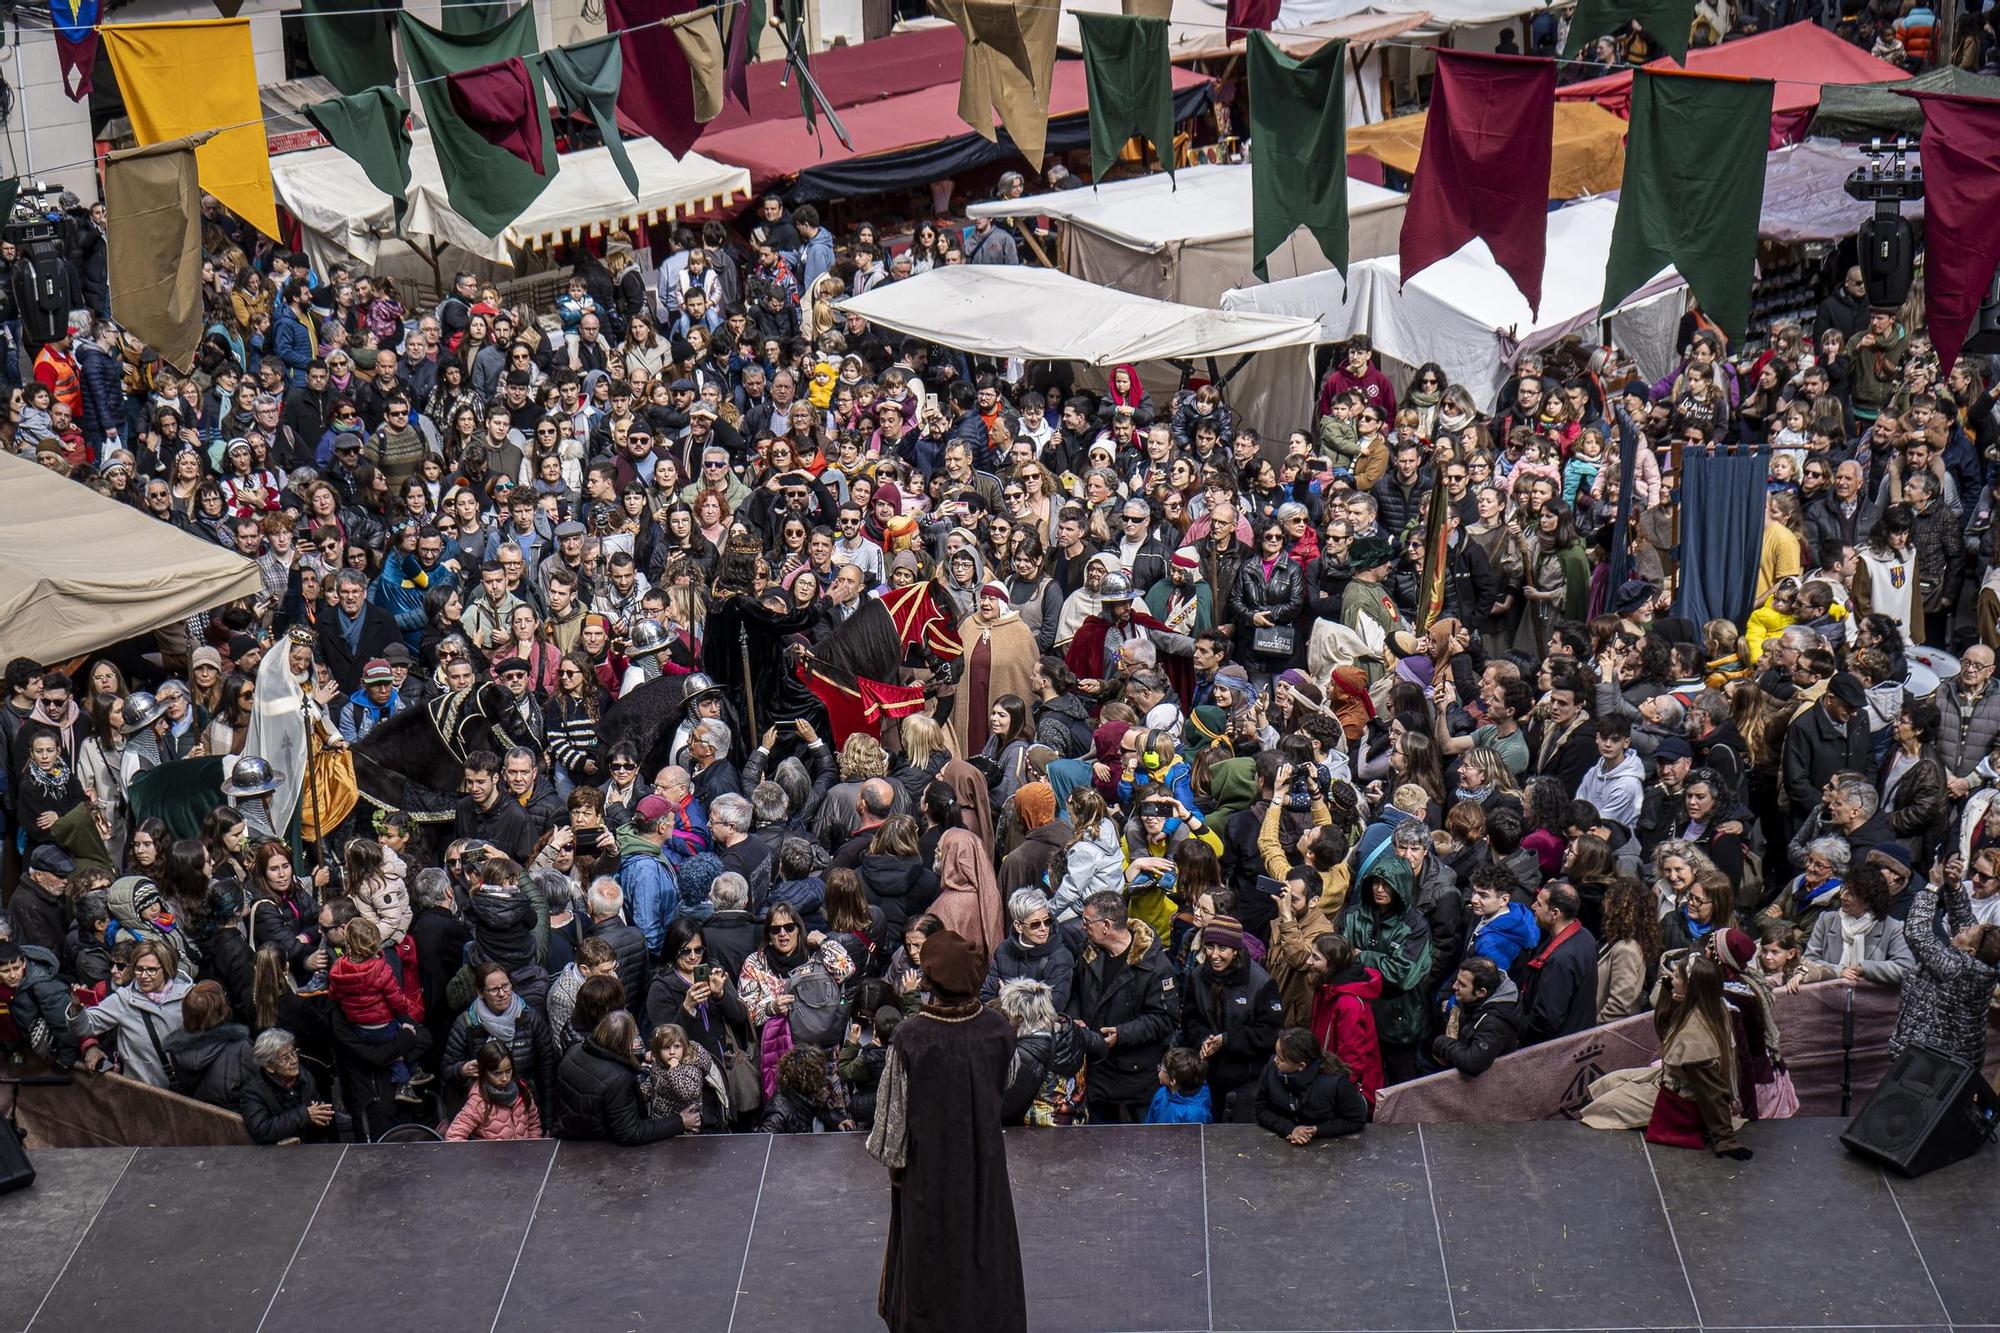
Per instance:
(1856,111)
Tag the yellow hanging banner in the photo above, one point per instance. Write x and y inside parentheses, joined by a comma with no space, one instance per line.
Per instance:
(183,78)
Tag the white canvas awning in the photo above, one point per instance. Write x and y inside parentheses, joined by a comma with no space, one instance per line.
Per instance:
(1038,314)
(1466,314)
(1198,29)
(1187,238)
(79,572)
(343,211)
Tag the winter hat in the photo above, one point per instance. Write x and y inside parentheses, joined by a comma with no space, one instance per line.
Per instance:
(1224,930)
(204,656)
(695,875)
(953,968)
(1892,852)
(1735,950)
(1035,803)
(145,894)
(377,672)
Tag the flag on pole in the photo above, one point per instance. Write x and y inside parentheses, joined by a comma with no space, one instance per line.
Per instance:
(1437,554)
(1667,22)
(1961,156)
(75,22)
(1298,149)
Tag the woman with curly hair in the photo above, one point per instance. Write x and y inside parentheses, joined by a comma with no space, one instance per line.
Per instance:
(1628,949)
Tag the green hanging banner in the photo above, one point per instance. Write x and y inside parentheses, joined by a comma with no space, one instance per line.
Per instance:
(1693,190)
(349,43)
(1129,77)
(584,80)
(1298,149)
(1667,22)
(469,18)
(372,128)
(488,186)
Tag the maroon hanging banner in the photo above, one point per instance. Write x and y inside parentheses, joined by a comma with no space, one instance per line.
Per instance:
(657,92)
(498,102)
(1961,154)
(1483,170)
(1251,16)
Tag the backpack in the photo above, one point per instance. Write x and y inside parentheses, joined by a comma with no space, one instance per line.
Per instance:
(816,1012)
(1058,870)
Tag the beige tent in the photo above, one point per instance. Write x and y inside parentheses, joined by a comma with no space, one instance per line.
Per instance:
(79,572)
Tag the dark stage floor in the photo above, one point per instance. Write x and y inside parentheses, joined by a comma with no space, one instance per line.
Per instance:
(1454,1227)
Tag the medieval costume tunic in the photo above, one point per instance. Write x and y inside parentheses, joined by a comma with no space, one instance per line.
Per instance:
(953,1261)
(999,658)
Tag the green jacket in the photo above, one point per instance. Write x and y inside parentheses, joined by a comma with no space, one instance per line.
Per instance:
(1395,941)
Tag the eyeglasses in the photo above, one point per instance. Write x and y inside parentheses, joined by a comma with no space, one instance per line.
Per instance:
(501,989)
(693,951)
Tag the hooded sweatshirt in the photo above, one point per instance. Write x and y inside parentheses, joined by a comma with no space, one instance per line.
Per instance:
(1343,1018)
(1619,793)
(1396,942)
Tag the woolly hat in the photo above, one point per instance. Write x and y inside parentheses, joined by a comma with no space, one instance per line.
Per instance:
(1734,950)
(1035,803)
(204,656)
(953,969)
(1224,930)
(695,875)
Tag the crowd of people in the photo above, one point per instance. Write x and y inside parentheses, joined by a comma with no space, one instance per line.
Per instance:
(1238,825)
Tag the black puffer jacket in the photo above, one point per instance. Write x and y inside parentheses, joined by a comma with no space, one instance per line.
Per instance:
(628,942)
(1037,1057)
(533,1049)
(213,1066)
(1241,1006)
(273,1113)
(597,1097)
(902,888)
(1049,963)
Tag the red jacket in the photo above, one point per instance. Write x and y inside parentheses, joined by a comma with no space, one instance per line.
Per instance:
(367,992)
(1344,1022)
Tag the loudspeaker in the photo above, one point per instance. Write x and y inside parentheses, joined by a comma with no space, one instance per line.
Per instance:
(1929,1112)
(15,1171)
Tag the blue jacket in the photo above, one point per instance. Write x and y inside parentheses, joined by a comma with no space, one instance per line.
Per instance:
(815,258)
(396,591)
(360,715)
(652,895)
(1176,1108)
(1177,779)
(103,379)
(1506,936)
(292,343)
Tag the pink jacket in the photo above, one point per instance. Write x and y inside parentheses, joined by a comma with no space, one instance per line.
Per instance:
(481,1119)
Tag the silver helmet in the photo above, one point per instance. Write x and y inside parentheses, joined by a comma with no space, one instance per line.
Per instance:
(142,710)
(1117,587)
(648,636)
(252,776)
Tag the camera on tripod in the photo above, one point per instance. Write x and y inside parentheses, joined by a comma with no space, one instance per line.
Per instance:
(43,235)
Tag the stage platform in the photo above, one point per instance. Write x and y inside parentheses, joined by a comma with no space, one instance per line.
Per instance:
(1457,1228)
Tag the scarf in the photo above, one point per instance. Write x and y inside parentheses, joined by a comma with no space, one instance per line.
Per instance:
(506,1096)
(498,1026)
(51,783)
(350,629)
(1695,929)
(1854,938)
(1477,797)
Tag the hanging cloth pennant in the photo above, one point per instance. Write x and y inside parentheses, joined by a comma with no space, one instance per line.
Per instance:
(1010,59)
(703,46)
(1484,167)
(75,22)
(182,78)
(583,79)
(1128,74)
(1961,155)
(746,22)
(229,9)
(152,224)
(469,18)
(1693,190)
(1298,142)
(502,103)
(488,186)
(1667,22)
(658,94)
(371,127)
(1247,16)
(349,43)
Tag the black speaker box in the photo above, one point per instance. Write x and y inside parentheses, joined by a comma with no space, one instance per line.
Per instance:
(1930,1111)
(15,1171)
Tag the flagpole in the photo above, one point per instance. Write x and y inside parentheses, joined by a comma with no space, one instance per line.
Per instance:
(749,685)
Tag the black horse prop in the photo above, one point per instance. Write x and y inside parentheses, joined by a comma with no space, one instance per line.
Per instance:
(415,761)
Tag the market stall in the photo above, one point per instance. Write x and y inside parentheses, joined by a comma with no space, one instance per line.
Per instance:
(1264,362)
(1466,314)
(1187,237)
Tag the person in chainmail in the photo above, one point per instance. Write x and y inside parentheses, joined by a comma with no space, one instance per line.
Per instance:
(146,725)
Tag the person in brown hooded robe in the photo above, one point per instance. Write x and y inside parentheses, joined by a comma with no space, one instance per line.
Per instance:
(953,1260)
